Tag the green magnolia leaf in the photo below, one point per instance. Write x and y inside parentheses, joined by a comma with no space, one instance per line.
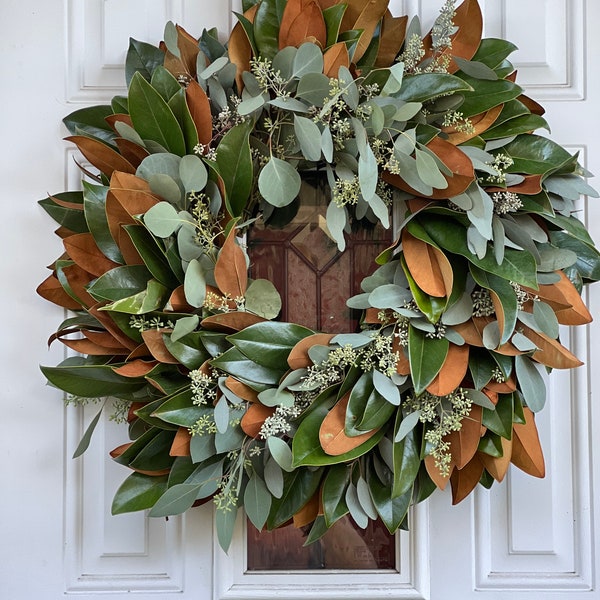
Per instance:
(334,493)
(588,257)
(533,154)
(71,218)
(120,282)
(94,203)
(142,58)
(309,136)
(270,343)
(180,410)
(152,117)
(423,87)
(266,29)
(391,510)
(531,382)
(426,357)
(278,182)
(175,500)
(151,299)
(164,83)
(87,436)
(333,19)
(406,459)
(255,375)
(91,381)
(138,492)
(500,418)
(487,94)
(281,453)
(492,52)
(154,456)
(91,121)
(257,501)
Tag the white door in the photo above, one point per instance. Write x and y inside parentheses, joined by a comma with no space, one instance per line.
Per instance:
(519,541)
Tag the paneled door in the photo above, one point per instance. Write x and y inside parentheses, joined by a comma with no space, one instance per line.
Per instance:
(521,540)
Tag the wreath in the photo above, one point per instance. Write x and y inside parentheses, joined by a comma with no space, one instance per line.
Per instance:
(460,317)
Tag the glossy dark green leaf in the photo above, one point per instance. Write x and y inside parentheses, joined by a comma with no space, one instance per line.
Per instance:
(91,121)
(189,350)
(237,364)
(94,202)
(534,154)
(426,357)
(179,106)
(70,218)
(138,492)
(155,455)
(334,492)
(152,117)
(234,164)
(391,509)
(517,266)
(91,381)
(180,410)
(269,343)
(120,282)
(145,414)
(377,412)
(266,28)
(299,487)
(500,420)
(481,367)
(423,87)
(493,51)
(142,58)
(357,403)
(164,83)
(516,126)
(407,459)
(333,20)
(487,94)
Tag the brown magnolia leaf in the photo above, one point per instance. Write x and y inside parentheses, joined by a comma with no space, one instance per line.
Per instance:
(491,394)
(455,159)
(327,3)
(230,322)
(440,480)
(50,289)
(126,181)
(199,106)
(481,122)
(78,280)
(106,321)
(120,449)
(240,53)
(297,26)
(254,417)
(463,443)
(500,387)
(565,300)
(463,482)
(103,338)
(417,204)
(100,155)
(241,390)
(131,416)
(188,49)
(309,512)
(532,105)
(85,346)
(466,40)
(65,204)
(365,15)
(298,357)
(332,435)
(530,186)
(131,151)
(173,63)
(391,38)
(527,453)
(136,368)
(471,331)
(181,443)
(231,272)
(153,338)
(550,352)
(372,316)
(497,467)
(178,301)
(335,57)
(119,117)
(82,249)
(140,351)
(429,267)
(452,373)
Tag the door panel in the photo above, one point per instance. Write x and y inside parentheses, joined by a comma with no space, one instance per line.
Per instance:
(522,538)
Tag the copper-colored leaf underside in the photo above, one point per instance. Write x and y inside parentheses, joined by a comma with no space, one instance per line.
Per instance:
(231,273)
(481,123)
(527,453)
(393,32)
(531,185)
(153,338)
(230,322)
(241,390)
(106,321)
(82,249)
(50,289)
(178,301)
(309,512)
(116,118)
(428,266)
(136,368)
(551,353)
(403,364)
(188,49)
(440,480)
(463,481)
(365,15)
(254,418)
(497,467)
(105,159)
(298,357)
(181,443)
(453,371)
(463,443)
(335,57)
(85,346)
(199,106)
(332,436)
(301,20)
(131,151)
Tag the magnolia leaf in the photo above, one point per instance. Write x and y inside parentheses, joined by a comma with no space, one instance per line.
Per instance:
(278,182)
(138,492)
(426,357)
(257,501)
(231,271)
